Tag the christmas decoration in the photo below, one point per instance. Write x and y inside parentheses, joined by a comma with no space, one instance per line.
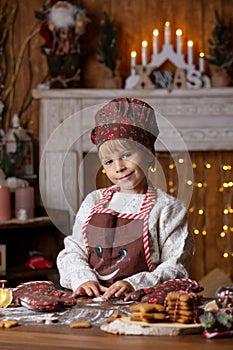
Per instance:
(62,28)
(148,76)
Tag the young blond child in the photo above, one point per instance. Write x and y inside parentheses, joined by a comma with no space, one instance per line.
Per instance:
(128,236)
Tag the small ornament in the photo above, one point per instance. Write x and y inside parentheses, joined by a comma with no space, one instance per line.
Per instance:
(224,297)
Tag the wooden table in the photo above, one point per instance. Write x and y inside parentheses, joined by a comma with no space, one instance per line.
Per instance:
(64,338)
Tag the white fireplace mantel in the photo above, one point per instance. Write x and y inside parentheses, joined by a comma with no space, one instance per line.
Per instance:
(192,119)
(202,117)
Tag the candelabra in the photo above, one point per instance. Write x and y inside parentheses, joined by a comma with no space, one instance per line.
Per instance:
(186,75)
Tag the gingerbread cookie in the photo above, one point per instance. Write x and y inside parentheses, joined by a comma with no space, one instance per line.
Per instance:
(147,308)
(114,317)
(149,313)
(8,324)
(81,324)
(148,317)
(183,307)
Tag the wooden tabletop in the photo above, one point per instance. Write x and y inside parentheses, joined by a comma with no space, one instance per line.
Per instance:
(65,338)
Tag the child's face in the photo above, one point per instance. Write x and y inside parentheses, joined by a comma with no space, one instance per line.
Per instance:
(126,166)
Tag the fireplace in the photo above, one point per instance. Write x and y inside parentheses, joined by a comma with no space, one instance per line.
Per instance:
(196,128)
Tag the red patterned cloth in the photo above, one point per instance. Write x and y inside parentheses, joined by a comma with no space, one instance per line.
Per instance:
(126,118)
(42,296)
(157,294)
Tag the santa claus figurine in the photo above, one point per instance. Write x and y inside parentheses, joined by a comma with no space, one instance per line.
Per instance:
(63,25)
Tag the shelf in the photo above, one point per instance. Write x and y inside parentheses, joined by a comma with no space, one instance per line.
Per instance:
(21,238)
(20,271)
(20,274)
(35,222)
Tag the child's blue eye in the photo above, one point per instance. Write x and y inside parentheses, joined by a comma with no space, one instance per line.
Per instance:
(126,155)
(107,162)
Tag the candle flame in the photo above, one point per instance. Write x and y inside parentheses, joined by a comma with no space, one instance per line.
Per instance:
(190,43)
(201,54)
(155,32)
(144,43)
(167,24)
(179,32)
(133,54)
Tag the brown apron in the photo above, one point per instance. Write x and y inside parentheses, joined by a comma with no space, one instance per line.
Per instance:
(118,243)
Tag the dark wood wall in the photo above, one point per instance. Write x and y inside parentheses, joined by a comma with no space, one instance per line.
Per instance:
(135,21)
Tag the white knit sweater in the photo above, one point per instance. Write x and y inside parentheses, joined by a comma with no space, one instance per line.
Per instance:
(171,243)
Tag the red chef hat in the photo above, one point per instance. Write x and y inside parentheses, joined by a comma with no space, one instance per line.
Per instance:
(126,118)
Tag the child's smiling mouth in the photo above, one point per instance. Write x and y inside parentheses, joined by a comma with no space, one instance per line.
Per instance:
(125,177)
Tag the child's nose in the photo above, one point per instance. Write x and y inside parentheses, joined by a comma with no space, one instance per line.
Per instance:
(119,165)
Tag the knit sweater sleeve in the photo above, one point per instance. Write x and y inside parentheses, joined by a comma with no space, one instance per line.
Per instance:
(72,261)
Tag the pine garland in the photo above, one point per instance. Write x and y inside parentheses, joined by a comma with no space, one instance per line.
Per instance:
(107,50)
(220,49)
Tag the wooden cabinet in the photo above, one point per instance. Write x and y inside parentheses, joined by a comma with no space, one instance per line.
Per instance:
(38,234)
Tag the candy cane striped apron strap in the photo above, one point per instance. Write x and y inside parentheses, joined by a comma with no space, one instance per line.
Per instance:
(146,208)
(106,197)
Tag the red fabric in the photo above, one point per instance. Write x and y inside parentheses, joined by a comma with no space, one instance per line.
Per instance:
(42,296)
(158,293)
(126,118)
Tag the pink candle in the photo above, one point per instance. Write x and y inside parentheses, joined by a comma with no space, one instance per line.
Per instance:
(5,203)
(24,203)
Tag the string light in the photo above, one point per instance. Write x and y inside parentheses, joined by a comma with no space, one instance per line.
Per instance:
(227,167)
(204,171)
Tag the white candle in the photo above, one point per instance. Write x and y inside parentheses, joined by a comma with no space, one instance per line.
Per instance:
(155,41)
(190,52)
(144,53)
(178,41)
(133,62)
(167,33)
(201,62)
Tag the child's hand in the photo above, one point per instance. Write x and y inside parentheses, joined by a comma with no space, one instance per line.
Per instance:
(90,288)
(118,289)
